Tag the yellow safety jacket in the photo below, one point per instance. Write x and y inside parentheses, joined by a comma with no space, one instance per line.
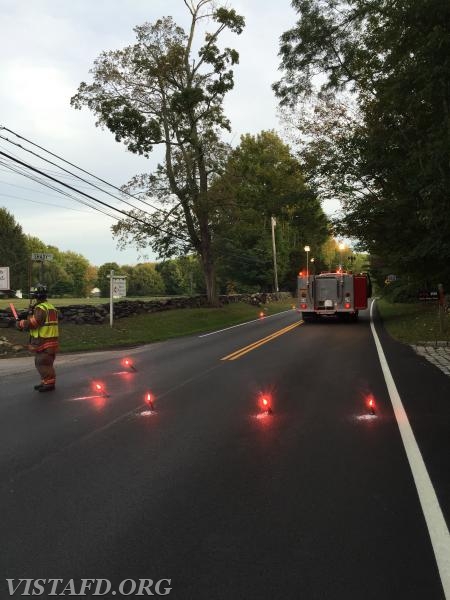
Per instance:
(43,328)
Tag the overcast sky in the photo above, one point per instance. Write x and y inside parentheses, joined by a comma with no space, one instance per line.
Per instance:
(47,48)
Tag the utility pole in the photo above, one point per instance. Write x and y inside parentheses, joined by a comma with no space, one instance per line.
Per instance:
(274,222)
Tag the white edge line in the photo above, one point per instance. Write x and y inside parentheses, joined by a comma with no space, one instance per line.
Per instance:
(246,323)
(437,527)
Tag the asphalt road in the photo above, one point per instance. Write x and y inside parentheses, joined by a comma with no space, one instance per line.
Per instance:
(316,501)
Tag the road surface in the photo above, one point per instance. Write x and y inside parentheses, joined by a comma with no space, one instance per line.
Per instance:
(316,501)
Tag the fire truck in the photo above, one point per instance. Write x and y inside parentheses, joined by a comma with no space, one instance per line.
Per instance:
(339,294)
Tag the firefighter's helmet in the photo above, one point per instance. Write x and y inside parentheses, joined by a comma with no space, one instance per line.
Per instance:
(39,292)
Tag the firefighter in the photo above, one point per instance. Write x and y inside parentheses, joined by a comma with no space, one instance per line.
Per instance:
(42,324)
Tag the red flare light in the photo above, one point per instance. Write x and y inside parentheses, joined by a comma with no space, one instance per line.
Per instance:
(261,315)
(128,363)
(149,400)
(371,404)
(99,388)
(265,402)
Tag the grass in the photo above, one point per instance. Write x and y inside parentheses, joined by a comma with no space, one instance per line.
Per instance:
(146,328)
(417,322)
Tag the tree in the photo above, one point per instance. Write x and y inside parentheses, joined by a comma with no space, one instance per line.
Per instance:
(390,164)
(144,280)
(156,92)
(76,266)
(103,280)
(174,279)
(263,180)
(13,250)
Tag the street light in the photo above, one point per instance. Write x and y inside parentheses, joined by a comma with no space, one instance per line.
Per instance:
(307,250)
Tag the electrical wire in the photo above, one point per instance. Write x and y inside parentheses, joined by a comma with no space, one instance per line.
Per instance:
(128,215)
(77,167)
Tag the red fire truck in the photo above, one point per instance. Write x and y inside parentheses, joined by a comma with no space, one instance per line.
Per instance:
(339,294)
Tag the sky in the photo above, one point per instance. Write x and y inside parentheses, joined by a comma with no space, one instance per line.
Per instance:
(47,48)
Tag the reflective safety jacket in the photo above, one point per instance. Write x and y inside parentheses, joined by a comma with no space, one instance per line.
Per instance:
(43,328)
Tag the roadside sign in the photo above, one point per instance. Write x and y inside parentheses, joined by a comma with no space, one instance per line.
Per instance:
(4,278)
(119,287)
(41,256)
(391,277)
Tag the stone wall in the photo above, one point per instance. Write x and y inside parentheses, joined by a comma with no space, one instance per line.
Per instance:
(87,313)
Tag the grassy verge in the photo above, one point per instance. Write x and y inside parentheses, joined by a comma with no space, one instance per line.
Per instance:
(412,323)
(142,329)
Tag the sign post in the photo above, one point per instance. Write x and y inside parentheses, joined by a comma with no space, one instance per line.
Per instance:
(41,257)
(117,289)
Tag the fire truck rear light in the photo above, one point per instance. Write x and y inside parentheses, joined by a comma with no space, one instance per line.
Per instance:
(348,305)
(303,305)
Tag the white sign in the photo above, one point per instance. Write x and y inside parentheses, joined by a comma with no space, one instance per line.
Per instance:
(4,278)
(119,287)
(391,277)
(41,256)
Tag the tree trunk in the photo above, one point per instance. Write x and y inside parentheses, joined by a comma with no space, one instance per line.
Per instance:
(209,273)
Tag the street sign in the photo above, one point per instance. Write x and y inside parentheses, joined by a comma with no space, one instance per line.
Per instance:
(4,278)
(41,256)
(119,287)
(391,277)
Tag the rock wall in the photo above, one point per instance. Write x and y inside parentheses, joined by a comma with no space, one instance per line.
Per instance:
(86,313)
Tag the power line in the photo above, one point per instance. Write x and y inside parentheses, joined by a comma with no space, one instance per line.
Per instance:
(76,167)
(73,174)
(40,202)
(130,216)
(52,187)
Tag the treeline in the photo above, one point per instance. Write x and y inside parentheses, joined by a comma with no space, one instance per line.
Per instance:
(248,267)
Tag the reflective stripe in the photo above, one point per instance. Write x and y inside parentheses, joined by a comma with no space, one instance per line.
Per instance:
(49,345)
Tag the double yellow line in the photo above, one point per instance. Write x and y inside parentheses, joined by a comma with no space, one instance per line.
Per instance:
(258,343)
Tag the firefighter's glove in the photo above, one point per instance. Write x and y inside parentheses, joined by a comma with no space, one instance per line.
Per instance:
(21,324)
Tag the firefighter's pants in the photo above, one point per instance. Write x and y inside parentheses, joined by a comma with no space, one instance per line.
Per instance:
(44,364)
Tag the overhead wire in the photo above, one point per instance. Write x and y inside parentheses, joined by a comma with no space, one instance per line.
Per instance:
(54,188)
(74,175)
(79,168)
(248,257)
(128,215)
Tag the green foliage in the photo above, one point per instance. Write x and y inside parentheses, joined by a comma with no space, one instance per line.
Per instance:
(76,266)
(386,153)
(262,179)
(13,250)
(144,280)
(61,288)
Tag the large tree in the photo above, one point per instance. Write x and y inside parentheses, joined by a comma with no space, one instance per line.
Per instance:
(389,161)
(263,180)
(157,92)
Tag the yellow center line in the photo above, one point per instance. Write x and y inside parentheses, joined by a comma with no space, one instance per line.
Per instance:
(238,353)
